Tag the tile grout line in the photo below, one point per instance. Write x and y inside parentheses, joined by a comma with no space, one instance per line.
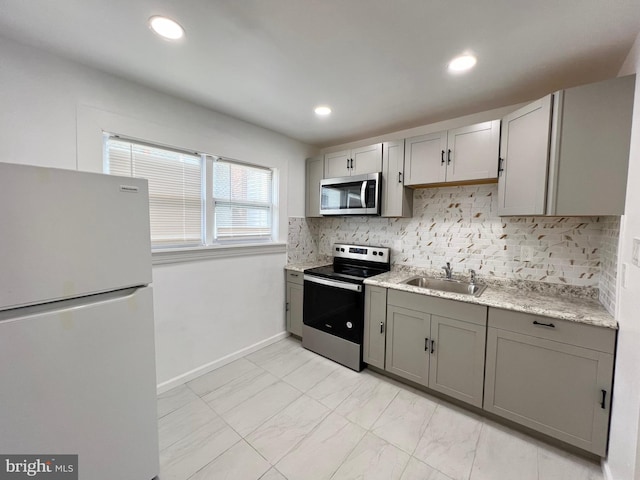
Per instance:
(354,447)
(475,450)
(329,412)
(213,460)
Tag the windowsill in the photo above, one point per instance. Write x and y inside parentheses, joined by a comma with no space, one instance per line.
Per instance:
(194,254)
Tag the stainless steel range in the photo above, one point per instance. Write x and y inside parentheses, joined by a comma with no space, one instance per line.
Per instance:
(333,308)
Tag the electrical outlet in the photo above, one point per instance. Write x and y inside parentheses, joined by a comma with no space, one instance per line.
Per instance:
(635,252)
(526,254)
(397,245)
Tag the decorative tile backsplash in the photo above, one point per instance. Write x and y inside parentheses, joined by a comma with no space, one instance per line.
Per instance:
(461,225)
(609,265)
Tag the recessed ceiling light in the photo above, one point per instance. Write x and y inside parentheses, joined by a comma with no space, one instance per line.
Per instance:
(322,110)
(462,63)
(165,27)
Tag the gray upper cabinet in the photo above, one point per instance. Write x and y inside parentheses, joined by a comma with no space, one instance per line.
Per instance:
(558,151)
(551,375)
(524,148)
(314,172)
(356,161)
(397,200)
(423,158)
(472,152)
(463,155)
(375,325)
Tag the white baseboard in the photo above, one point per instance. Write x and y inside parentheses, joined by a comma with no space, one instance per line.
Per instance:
(221,362)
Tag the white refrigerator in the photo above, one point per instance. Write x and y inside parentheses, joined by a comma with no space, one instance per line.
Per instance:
(77,355)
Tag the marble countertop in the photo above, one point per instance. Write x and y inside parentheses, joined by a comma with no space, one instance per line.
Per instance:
(301,267)
(555,301)
(560,305)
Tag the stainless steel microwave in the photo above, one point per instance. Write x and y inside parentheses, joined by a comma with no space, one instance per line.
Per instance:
(356,195)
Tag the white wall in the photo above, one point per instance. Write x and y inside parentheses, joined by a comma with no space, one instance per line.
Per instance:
(53,112)
(624,448)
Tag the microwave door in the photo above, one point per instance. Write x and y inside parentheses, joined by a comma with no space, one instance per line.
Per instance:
(354,200)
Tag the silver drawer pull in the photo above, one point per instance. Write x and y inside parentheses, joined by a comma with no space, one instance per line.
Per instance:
(550,325)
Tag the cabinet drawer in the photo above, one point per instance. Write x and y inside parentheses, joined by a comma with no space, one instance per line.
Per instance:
(439,306)
(572,333)
(295,277)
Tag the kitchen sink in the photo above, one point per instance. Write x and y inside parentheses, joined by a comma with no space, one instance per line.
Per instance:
(444,285)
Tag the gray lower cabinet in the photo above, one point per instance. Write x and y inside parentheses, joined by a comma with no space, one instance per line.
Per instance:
(457,358)
(551,375)
(408,344)
(375,309)
(314,172)
(294,297)
(437,343)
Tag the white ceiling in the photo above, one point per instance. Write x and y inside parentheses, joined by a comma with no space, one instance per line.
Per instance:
(380,64)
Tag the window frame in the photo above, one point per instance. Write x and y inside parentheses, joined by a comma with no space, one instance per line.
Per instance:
(208,241)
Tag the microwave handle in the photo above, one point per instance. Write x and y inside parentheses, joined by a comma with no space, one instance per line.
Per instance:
(363,194)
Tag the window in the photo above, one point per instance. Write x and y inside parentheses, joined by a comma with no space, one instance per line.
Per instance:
(242,199)
(238,207)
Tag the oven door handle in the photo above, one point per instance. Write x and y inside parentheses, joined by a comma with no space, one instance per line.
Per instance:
(333,283)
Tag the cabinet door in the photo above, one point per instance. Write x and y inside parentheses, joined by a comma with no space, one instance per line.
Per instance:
(558,389)
(408,344)
(375,318)
(295,294)
(425,159)
(473,152)
(314,172)
(367,159)
(524,153)
(337,164)
(590,152)
(457,359)
(397,200)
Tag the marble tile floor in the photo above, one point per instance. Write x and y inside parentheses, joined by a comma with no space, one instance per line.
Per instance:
(285,413)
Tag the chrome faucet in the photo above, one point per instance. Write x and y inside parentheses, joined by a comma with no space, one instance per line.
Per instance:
(448,271)
(472,274)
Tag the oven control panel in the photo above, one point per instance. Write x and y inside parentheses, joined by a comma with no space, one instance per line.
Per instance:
(362,252)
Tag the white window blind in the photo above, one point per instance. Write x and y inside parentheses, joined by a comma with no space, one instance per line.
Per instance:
(175,188)
(242,201)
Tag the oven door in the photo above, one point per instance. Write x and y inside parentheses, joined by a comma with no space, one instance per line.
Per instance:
(334,307)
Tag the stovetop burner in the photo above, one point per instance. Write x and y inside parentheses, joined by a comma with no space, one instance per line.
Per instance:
(354,263)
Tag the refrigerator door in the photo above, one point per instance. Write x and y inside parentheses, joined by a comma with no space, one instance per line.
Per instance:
(80,379)
(65,234)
